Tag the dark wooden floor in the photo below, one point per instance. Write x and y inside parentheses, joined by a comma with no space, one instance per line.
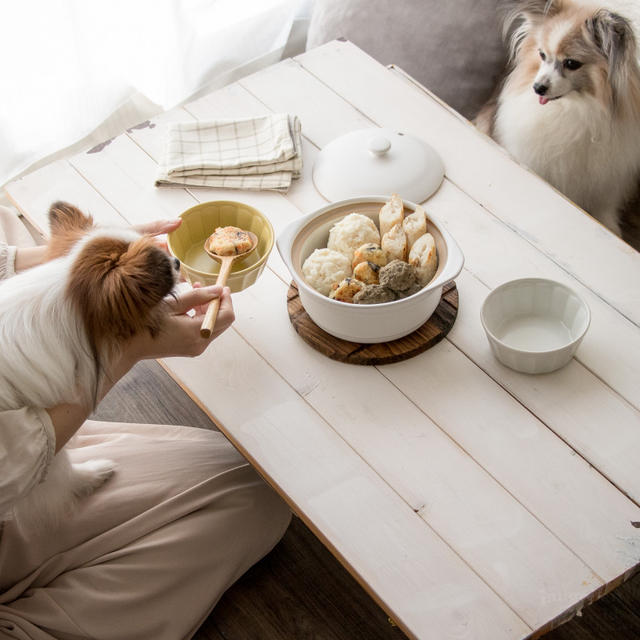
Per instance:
(299,591)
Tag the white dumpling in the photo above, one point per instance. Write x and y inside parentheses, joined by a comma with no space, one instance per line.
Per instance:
(415,225)
(394,243)
(324,268)
(391,214)
(424,257)
(350,233)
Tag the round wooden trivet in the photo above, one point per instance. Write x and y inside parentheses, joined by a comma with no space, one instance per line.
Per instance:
(430,333)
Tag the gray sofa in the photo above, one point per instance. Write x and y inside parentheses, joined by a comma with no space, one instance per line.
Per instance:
(453,48)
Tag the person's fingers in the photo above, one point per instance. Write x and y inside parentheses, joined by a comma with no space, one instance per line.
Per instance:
(226,315)
(194,298)
(202,309)
(158,227)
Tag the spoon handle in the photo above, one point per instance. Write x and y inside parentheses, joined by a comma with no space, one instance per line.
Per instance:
(214,306)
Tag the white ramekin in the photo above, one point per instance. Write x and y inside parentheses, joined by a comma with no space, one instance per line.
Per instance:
(534,325)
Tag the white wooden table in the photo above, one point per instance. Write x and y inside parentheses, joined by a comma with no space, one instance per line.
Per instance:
(469,500)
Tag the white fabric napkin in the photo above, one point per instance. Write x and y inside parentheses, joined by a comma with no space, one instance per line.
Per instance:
(250,153)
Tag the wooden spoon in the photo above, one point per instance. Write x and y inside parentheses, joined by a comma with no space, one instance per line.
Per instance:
(225,269)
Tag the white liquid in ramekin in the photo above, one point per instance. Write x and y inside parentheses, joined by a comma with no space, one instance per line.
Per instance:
(534,333)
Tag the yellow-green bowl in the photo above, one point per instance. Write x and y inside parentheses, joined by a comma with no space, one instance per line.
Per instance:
(187,242)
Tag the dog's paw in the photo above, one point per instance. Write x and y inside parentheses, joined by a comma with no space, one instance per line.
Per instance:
(89,475)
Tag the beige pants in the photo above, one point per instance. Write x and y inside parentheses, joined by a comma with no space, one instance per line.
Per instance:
(150,553)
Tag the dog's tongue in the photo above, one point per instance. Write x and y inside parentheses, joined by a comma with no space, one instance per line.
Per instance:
(543,100)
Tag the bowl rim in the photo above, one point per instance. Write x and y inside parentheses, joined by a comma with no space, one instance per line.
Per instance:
(365,308)
(234,274)
(510,284)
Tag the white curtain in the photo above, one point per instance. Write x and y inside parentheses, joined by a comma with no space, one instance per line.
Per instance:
(66,65)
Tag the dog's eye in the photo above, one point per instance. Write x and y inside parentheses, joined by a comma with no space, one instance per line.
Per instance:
(542,55)
(571,64)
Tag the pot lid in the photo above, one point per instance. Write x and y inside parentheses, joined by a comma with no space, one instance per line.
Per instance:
(377,161)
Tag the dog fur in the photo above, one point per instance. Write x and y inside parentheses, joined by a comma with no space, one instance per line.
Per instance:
(569,107)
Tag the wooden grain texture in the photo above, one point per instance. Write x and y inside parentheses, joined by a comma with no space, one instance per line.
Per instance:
(147,394)
(423,338)
(56,182)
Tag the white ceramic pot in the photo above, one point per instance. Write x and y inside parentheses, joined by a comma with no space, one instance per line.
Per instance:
(374,322)
(534,325)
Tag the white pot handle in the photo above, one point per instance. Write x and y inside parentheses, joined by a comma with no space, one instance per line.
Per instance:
(455,259)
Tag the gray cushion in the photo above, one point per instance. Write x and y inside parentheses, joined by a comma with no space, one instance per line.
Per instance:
(454,48)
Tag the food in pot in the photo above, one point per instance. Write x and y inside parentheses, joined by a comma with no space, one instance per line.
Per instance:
(424,258)
(391,214)
(358,266)
(374,294)
(394,243)
(352,232)
(415,225)
(367,272)
(345,290)
(229,241)
(414,288)
(324,268)
(370,252)
(398,276)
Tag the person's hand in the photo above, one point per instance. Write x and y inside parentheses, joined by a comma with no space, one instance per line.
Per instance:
(180,332)
(158,228)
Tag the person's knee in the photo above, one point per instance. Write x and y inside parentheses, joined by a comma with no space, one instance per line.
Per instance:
(268,512)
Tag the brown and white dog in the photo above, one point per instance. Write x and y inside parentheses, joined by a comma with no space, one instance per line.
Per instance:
(569,108)
(61,325)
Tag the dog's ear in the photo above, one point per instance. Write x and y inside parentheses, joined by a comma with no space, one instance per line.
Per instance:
(519,17)
(67,224)
(64,217)
(613,36)
(117,287)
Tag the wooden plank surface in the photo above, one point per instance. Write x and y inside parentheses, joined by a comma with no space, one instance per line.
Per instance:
(524,531)
(34,194)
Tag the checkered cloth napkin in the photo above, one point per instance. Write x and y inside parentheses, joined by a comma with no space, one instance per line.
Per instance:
(250,153)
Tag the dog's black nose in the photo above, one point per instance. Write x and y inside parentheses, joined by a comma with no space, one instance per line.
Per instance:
(540,89)
(176,263)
